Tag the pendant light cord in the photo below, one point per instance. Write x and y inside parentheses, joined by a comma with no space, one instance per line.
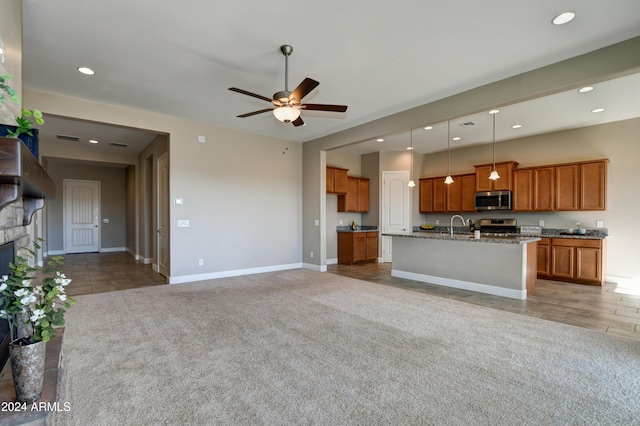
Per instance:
(449,146)
(494,141)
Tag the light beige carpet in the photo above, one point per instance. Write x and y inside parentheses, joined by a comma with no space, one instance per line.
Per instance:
(300,347)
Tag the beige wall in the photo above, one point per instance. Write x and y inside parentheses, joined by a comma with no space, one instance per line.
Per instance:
(242,192)
(131,220)
(11,35)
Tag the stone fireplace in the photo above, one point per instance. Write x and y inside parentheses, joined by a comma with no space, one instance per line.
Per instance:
(13,237)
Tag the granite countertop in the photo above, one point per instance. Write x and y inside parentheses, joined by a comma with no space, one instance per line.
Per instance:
(359,228)
(462,236)
(592,234)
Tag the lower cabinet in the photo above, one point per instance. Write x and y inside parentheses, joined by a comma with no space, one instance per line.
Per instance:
(354,247)
(572,260)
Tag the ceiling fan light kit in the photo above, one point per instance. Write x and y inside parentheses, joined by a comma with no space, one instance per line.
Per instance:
(287,104)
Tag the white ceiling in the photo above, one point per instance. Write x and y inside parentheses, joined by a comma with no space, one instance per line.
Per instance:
(180,58)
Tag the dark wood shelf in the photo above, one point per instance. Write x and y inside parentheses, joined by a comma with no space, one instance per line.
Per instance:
(22,176)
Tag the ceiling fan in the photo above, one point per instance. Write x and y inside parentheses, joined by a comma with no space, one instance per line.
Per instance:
(288,104)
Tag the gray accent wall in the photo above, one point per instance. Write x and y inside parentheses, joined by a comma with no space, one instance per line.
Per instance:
(112,202)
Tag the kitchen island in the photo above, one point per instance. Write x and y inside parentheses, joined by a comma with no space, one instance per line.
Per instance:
(502,266)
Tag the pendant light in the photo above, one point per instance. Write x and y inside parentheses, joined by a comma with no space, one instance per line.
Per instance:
(411,183)
(449,180)
(494,173)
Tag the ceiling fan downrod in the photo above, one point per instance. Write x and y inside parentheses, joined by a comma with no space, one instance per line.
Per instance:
(284,95)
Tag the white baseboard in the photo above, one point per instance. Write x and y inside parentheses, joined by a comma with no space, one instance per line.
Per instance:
(112,249)
(317,268)
(154,267)
(132,253)
(463,285)
(333,261)
(56,253)
(622,280)
(234,273)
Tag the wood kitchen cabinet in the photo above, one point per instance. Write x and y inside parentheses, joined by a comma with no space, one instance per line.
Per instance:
(504,169)
(354,247)
(356,198)
(581,186)
(572,260)
(435,196)
(533,189)
(567,187)
(432,195)
(336,180)
(593,185)
(543,258)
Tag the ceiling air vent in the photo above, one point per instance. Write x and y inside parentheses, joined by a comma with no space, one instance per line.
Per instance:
(468,124)
(68,138)
(118,144)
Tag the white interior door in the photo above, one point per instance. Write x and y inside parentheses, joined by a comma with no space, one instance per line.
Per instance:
(81,216)
(396,208)
(163,215)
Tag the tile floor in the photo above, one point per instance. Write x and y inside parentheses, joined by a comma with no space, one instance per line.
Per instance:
(612,308)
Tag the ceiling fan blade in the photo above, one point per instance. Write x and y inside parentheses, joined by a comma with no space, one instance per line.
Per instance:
(249,114)
(244,92)
(298,122)
(324,107)
(303,89)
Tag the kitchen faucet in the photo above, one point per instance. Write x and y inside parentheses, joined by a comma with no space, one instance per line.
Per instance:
(464,223)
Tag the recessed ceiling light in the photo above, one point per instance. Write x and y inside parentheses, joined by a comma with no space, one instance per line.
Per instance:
(379,140)
(93,141)
(516,126)
(86,70)
(597,110)
(563,18)
(429,128)
(494,111)
(409,148)
(457,138)
(585,89)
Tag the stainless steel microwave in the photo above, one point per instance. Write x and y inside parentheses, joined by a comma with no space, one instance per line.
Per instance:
(493,200)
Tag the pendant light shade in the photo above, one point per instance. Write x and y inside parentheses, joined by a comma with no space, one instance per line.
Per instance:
(411,183)
(286,114)
(448,180)
(494,173)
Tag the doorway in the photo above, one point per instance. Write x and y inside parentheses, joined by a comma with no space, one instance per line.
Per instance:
(396,208)
(81,216)
(163,215)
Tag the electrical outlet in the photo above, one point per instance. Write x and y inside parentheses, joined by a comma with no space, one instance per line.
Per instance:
(200,262)
(182,223)
(340,221)
(541,223)
(437,221)
(311,255)
(599,224)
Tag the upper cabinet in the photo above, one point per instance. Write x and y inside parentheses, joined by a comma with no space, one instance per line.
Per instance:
(356,197)
(533,189)
(438,197)
(561,187)
(593,185)
(336,180)
(504,169)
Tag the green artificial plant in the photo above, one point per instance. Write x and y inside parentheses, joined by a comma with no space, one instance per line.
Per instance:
(26,121)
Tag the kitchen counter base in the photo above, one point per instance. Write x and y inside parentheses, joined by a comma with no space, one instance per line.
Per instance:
(506,270)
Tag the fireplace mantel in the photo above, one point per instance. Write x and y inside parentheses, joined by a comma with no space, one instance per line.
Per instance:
(22,176)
